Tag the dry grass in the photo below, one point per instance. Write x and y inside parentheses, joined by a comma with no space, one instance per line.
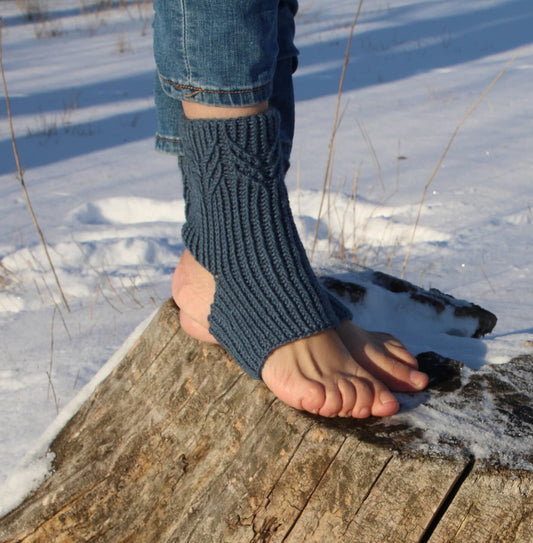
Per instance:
(47,25)
(327,204)
(5,276)
(51,388)
(32,10)
(446,150)
(22,182)
(326,189)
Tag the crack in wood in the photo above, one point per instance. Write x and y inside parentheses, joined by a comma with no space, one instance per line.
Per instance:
(367,494)
(286,467)
(311,494)
(447,501)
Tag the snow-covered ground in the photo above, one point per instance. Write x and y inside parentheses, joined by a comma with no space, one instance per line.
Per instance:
(110,207)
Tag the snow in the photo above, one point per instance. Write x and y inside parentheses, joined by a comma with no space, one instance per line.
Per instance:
(110,207)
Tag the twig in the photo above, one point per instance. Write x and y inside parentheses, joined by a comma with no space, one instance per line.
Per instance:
(21,178)
(487,278)
(354,214)
(56,306)
(155,298)
(445,153)
(76,380)
(342,251)
(373,153)
(49,372)
(52,341)
(327,176)
(56,401)
(104,278)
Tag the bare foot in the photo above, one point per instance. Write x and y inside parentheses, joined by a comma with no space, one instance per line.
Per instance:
(345,372)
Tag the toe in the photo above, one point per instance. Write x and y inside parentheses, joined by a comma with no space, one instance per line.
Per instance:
(283,376)
(312,398)
(394,373)
(333,403)
(349,396)
(385,403)
(364,398)
(396,349)
(384,357)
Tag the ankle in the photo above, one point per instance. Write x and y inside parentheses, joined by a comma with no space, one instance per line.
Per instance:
(193,111)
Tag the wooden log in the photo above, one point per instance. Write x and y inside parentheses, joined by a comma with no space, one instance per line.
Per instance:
(179,445)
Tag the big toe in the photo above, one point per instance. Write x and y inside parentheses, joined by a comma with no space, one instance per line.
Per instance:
(292,388)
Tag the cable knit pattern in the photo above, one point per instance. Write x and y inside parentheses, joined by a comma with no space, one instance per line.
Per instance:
(240,228)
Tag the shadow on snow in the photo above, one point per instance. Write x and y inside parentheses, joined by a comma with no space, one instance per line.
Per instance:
(409,45)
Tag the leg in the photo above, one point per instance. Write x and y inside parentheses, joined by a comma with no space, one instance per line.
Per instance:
(316,372)
(240,228)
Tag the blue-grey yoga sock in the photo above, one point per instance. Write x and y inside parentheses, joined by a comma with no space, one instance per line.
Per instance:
(240,228)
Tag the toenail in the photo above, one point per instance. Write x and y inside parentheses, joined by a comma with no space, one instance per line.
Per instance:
(417,379)
(364,413)
(387,397)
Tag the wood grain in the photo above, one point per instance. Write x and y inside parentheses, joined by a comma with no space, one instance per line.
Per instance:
(179,445)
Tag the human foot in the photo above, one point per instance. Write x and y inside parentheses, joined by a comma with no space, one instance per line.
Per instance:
(346,372)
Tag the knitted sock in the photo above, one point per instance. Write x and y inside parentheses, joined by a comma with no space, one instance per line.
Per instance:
(240,228)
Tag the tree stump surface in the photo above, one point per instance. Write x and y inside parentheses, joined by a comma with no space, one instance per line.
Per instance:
(179,445)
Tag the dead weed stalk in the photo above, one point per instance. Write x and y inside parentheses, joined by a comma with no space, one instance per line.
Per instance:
(445,153)
(331,146)
(22,182)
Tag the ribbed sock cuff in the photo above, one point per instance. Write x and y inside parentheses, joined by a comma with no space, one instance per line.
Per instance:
(240,228)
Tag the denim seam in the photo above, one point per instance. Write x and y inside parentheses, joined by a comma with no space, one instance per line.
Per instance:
(197,90)
(184,39)
(166,138)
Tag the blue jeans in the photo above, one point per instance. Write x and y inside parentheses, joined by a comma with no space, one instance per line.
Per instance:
(223,53)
